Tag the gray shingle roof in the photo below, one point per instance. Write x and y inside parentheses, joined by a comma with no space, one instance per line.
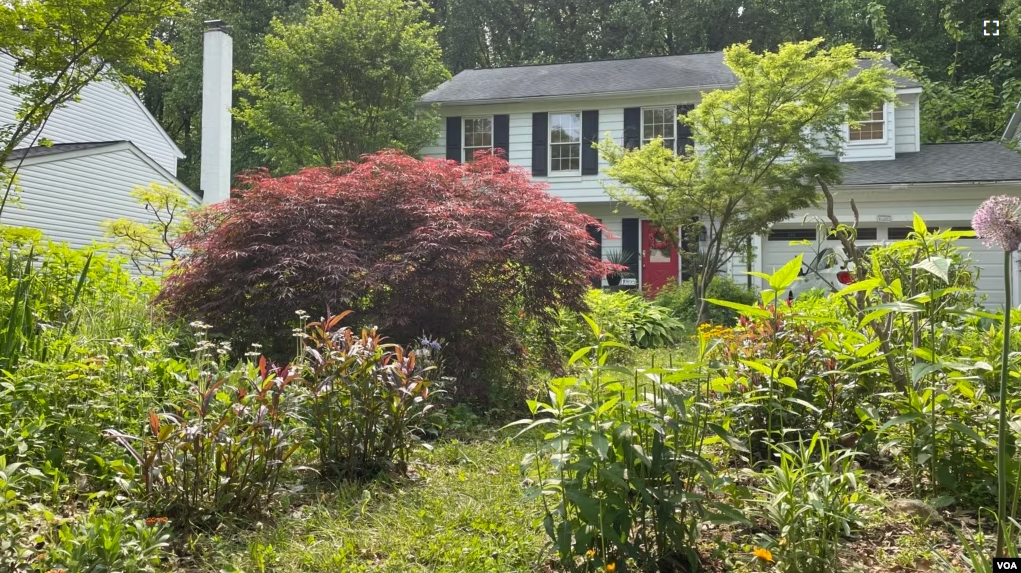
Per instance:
(940,163)
(39,150)
(590,78)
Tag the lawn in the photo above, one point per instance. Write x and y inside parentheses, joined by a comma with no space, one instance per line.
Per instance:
(461,510)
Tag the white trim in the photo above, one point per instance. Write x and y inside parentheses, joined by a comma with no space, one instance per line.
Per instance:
(492,134)
(918,123)
(907,91)
(99,150)
(641,122)
(886,125)
(549,145)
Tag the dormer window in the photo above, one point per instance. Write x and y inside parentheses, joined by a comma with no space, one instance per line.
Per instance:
(871,128)
(478,134)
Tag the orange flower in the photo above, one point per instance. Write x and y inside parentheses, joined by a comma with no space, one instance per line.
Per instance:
(763,554)
(590,553)
(611,567)
(150,521)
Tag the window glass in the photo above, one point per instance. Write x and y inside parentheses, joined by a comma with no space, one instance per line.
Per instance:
(478,134)
(660,122)
(565,141)
(871,127)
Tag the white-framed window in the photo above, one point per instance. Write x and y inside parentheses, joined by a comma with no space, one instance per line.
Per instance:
(565,142)
(478,134)
(871,128)
(660,122)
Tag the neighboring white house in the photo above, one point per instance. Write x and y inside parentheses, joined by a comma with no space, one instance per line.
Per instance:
(105,145)
(545,117)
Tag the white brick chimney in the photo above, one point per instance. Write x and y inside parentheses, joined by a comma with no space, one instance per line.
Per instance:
(217,84)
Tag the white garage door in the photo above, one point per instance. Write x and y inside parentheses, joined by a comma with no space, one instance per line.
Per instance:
(777,250)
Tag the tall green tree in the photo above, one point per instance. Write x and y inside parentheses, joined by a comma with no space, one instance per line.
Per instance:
(61,46)
(344,82)
(757,148)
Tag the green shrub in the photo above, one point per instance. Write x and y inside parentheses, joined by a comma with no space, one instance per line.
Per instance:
(681,300)
(366,399)
(628,317)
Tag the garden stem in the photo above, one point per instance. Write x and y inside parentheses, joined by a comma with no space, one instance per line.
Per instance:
(1001,444)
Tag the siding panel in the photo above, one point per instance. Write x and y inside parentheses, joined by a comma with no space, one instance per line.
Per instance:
(69,199)
(905,125)
(106,112)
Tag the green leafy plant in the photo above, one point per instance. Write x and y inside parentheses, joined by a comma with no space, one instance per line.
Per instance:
(810,501)
(621,466)
(366,399)
(224,450)
(110,540)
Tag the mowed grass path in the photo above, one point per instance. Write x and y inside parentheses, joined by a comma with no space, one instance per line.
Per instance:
(463,512)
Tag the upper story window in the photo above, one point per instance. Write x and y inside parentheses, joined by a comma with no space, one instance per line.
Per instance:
(565,142)
(478,134)
(871,128)
(660,122)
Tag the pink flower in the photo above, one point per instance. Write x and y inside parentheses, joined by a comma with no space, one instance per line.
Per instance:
(997,222)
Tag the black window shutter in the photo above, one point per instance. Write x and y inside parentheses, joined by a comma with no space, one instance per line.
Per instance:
(597,250)
(589,133)
(501,134)
(454,138)
(632,127)
(629,243)
(683,130)
(540,136)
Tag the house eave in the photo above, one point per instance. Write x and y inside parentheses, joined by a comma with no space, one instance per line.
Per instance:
(561,97)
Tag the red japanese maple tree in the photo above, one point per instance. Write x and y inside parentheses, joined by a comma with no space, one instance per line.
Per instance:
(414,246)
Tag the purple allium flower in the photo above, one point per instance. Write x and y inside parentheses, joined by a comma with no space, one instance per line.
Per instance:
(998,222)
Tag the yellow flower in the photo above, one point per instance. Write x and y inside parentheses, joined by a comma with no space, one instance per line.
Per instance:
(590,553)
(763,554)
(611,567)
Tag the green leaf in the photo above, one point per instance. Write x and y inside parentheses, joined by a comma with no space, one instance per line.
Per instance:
(727,437)
(747,310)
(919,225)
(592,324)
(867,284)
(923,369)
(899,420)
(601,444)
(726,514)
(786,275)
(938,266)
(788,381)
(970,433)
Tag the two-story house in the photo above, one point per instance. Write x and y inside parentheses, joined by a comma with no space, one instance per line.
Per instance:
(545,118)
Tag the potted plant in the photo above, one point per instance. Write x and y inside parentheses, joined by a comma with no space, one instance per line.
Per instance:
(620,257)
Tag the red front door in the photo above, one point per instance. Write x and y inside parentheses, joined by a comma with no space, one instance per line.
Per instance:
(659,260)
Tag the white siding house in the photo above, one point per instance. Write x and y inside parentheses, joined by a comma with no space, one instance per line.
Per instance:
(530,110)
(104,146)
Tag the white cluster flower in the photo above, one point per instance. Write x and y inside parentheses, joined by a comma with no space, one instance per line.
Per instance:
(256,345)
(199,325)
(301,314)
(253,353)
(173,344)
(141,368)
